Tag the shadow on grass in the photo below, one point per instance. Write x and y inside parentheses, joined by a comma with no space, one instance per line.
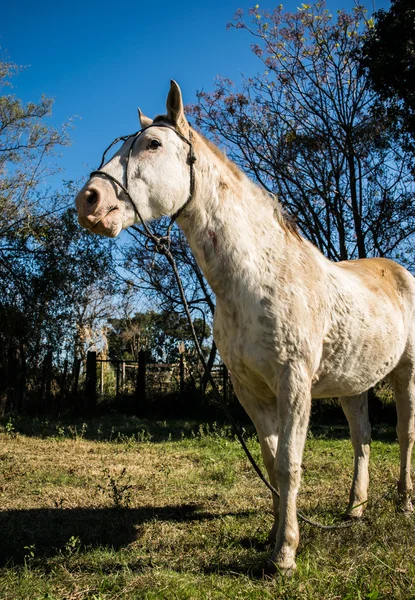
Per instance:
(117,428)
(254,567)
(48,531)
(130,429)
(338,431)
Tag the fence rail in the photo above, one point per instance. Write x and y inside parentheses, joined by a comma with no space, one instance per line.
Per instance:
(55,386)
(141,378)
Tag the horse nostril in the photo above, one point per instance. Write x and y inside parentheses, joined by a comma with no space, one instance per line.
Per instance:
(92,197)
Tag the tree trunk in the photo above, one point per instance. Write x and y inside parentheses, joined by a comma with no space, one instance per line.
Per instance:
(357,217)
(91,380)
(16,379)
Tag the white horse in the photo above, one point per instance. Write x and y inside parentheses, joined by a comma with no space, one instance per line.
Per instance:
(289,324)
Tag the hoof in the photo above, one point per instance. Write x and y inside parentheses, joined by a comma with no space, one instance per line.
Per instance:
(356,513)
(282,567)
(274,570)
(407,507)
(405,502)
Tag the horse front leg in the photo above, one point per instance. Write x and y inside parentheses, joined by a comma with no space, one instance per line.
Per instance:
(264,417)
(293,406)
(356,410)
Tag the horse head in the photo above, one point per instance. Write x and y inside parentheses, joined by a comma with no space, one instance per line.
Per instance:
(149,177)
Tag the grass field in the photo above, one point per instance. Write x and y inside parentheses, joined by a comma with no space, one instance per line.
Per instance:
(126,508)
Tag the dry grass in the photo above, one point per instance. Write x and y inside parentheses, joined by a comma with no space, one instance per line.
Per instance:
(132,509)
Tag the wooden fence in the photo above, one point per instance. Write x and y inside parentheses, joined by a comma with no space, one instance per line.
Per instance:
(141,378)
(54,387)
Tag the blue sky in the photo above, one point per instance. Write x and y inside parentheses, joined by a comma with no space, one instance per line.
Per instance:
(100,60)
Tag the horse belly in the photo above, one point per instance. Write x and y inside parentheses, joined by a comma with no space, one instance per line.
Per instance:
(352,366)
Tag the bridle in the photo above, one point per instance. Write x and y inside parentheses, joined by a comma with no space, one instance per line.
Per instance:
(191,159)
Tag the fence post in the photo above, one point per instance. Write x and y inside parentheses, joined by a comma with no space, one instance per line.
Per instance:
(181,373)
(63,386)
(77,369)
(123,377)
(45,385)
(117,381)
(91,379)
(101,385)
(48,368)
(16,378)
(141,377)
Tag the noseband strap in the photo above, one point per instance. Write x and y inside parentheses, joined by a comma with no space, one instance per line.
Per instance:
(191,159)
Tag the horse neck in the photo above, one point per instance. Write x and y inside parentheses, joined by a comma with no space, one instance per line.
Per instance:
(232,226)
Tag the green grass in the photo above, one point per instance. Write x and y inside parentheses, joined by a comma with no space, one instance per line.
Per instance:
(126,508)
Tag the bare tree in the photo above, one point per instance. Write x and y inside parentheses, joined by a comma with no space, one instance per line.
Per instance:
(304,129)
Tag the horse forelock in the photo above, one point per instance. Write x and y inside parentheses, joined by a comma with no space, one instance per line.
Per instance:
(163,118)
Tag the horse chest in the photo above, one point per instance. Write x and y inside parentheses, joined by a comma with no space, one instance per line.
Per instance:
(255,344)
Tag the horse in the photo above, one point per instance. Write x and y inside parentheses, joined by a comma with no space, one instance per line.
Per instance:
(289,324)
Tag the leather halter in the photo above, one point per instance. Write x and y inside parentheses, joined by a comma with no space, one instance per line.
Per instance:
(191,159)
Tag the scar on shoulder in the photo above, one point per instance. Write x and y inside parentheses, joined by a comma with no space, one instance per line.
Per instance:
(214,239)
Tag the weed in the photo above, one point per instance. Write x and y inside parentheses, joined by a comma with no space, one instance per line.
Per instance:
(60,431)
(118,488)
(10,428)
(29,554)
(78,434)
(128,441)
(72,545)
(143,436)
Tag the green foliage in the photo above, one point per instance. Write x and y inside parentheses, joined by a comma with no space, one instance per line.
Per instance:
(158,334)
(73,544)
(26,140)
(49,267)
(30,554)
(44,275)
(10,429)
(388,57)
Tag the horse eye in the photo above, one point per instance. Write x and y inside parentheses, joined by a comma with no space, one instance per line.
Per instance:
(154,144)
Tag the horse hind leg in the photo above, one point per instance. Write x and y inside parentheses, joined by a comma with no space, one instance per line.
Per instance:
(356,410)
(403,383)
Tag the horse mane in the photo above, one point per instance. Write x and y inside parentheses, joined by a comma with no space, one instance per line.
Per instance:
(284,218)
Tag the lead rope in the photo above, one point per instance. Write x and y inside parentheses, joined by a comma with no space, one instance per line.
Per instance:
(162,246)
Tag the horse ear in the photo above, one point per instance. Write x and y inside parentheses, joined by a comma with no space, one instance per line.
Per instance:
(144,121)
(174,105)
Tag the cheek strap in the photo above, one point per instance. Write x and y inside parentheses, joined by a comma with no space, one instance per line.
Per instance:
(191,159)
